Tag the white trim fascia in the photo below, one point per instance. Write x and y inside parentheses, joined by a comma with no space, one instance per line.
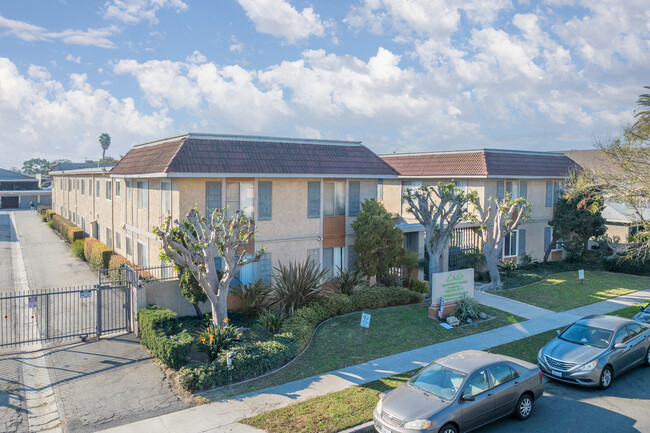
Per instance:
(140,232)
(254,175)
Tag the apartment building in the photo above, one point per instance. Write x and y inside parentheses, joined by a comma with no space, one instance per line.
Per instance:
(536,176)
(302,194)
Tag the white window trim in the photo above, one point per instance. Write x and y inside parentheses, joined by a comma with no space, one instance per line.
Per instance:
(162,192)
(108,194)
(516,246)
(98,184)
(558,245)
(118,188)
(128,239)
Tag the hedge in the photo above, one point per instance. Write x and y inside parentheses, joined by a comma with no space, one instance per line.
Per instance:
(42,209)
(97,253)
(62,226)
(49,214)
(74,233)
(254,359)
(170,350)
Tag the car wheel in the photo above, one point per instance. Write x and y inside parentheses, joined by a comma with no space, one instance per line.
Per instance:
(448,428)
(606,377)
(524,407)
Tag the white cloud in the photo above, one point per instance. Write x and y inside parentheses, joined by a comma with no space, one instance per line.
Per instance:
(134,11)
(42,114)
(280,19)
(236,46)
(90,37)
(196,57)
(71,58)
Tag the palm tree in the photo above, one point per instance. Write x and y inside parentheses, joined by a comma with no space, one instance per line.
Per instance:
(105,142)
(644,101)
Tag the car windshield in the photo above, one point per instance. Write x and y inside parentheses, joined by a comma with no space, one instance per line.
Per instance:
(439,380)
(582,334)
(647,309)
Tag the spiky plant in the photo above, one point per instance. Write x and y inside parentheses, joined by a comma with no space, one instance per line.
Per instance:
(296,285)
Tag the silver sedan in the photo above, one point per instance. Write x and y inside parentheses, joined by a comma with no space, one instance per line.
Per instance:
(460,392)
(595,349)
(644,314)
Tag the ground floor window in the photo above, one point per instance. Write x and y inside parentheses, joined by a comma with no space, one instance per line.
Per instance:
(129,245)
(109,237)
(334,260)
(510,245)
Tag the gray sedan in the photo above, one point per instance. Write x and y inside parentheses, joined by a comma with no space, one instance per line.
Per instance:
(460,392)
(643,315)
(595,349)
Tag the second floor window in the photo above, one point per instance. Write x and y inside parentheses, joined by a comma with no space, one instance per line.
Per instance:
(142,187)
(97,184)
(240,196)
(109,190)
(118,188)
(333,199)
(83,186)
(165,197)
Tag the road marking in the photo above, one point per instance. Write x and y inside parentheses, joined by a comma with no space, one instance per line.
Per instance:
(42,409)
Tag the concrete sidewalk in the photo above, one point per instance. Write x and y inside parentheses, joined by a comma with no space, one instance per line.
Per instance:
(223,416)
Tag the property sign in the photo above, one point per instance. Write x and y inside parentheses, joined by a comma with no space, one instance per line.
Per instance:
(32,301)
(452,286)
(365,320)
(581,274)
(85,294)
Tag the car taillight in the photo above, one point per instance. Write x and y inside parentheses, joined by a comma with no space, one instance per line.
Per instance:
(540,373)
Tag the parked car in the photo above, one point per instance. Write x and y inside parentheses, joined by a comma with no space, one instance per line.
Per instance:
(644,314)
(460,392)
(595,349)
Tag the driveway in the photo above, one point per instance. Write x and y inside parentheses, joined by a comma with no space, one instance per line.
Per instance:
(94,385)
(565,408)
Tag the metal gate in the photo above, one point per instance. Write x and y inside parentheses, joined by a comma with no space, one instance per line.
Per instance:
(58,315)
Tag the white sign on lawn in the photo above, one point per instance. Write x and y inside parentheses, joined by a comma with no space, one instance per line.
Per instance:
(453,285)
(581,274)
(365,320)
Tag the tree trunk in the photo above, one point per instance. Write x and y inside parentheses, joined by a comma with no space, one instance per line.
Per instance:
(549,248)
(220,312)
(198,310)
(493,268)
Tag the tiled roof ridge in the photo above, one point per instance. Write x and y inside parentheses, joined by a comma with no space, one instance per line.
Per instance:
(178,149)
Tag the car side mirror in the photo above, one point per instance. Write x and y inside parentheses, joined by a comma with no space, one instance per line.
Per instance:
(467,396)
(620,346)
(641,307)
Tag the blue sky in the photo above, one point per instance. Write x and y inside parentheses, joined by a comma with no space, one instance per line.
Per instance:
(400,75)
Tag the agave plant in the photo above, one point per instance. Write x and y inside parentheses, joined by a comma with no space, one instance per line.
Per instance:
(253,297)
(347,282)
(296,285)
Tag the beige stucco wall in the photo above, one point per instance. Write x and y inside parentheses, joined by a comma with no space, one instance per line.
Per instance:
(620,231)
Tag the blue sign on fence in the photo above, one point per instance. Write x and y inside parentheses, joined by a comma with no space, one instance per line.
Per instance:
(85,293)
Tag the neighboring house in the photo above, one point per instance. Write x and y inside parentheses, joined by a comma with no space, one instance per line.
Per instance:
(302,194)
(536,176)
(621,220)
(18,190)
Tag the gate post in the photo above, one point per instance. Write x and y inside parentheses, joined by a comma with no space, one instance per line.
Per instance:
(99,304)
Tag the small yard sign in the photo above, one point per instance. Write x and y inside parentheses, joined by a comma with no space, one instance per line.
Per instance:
(365,320)
(581,274)
(85,294)
(32,301)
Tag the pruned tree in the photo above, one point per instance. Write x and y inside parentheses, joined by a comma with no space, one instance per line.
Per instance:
(439,208)
(497,219)
(105,143)
(378,242)
(209,238)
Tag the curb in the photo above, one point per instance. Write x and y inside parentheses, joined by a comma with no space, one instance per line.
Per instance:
(367,427)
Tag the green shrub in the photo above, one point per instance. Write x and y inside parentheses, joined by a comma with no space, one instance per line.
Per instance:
(271,320)
(171,350)
(253,297)
(296,286)
(50,224)
(379,297)
(43,218)
(42,209)
(467,307)
(97,253)
(337,304)
(74,233)
(348,281)
(420,286)
(77,249)
(213,340)
(49,214)
(627,265)
(62,225)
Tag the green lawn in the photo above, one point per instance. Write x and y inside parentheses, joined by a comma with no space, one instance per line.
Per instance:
(354,406)
(341,342)
(563,291)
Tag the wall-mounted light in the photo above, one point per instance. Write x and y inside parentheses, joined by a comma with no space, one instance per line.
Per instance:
(319,238)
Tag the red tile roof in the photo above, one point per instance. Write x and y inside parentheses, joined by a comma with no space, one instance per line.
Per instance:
(498,163)
(242,155)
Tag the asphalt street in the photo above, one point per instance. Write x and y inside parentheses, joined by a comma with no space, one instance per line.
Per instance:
(565,408)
